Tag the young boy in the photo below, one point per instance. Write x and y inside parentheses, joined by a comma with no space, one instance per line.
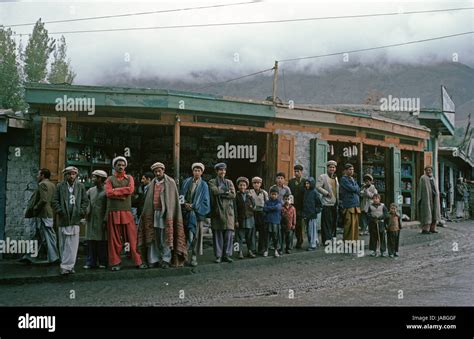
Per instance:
(288,224)
(394,225)
(259,195)
(367,193)
(245,224)
(377,214)
(272,211)
(280,186)
(311,208)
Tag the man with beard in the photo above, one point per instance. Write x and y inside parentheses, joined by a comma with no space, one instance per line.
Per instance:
(222,214)
(428,202)
(328,186)
(70,202)
(96,229)
(161,231)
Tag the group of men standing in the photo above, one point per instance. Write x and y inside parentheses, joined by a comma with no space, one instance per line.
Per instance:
(171,221)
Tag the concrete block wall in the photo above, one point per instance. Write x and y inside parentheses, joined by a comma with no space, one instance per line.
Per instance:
(302,147)
(21,183)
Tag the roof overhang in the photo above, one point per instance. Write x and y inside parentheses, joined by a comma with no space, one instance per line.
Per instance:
(455,152)
(145,99)
(437,121)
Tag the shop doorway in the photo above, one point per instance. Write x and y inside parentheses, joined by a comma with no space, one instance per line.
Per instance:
(243,152)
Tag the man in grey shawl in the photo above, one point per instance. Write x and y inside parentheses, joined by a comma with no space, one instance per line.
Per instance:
(428,202)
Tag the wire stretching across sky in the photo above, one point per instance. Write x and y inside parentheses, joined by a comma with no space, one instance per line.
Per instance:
(378,47)
(226,81)
(341,53)
(136,14)
(257,22)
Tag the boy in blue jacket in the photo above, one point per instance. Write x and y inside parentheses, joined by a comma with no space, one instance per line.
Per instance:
(272,211)
(311,207)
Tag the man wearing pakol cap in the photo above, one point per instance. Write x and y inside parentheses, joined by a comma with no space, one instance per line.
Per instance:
(161,234)
(197,205)
(96,228)
(428,205)
(40,209)
(222,214)
(349,192)
(70,203)
(328,186)
(367,192)
(296,186)
(245,223)
(120,224)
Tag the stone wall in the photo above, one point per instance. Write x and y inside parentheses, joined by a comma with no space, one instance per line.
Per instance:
(21,183)
(22,169)
(302,147)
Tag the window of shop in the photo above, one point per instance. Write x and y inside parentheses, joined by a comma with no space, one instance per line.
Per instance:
(375,163)
(408,184)
(243,152)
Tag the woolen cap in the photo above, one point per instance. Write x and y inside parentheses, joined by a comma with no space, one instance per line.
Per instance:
(100,173)
(198,164)
(157,165)
(244,179)
(119,158)
(70,169)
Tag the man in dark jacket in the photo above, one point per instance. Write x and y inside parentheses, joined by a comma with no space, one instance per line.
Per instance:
(311,208)
(349,193)
(39,208)
(70,202)
(296,186)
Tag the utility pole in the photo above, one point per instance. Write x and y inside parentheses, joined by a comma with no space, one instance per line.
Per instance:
(275,81)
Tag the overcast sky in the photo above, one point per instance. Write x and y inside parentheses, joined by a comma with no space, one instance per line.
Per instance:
(237,50)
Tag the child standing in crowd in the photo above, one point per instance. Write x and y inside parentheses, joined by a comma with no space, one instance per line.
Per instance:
(394,225)
(288,224)
(280,186)
(259,196)
(367,193)
(245,223)
(377,214)
(311,208)
(272,211)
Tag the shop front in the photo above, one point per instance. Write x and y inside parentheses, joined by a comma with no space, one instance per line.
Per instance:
(253,138)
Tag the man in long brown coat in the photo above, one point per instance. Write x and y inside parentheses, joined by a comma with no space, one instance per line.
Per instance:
(428,202)
(222,214)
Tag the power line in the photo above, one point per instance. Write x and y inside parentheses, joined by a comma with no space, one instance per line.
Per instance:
(256,22)
(378,47)
(134,14)
(226,81)
(333,54)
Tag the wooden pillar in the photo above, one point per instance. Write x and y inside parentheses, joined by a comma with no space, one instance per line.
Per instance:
(176,147)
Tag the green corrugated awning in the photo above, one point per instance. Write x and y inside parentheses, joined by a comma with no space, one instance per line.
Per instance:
(140,98)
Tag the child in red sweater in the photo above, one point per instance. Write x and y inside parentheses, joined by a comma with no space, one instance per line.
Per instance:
(288,224)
